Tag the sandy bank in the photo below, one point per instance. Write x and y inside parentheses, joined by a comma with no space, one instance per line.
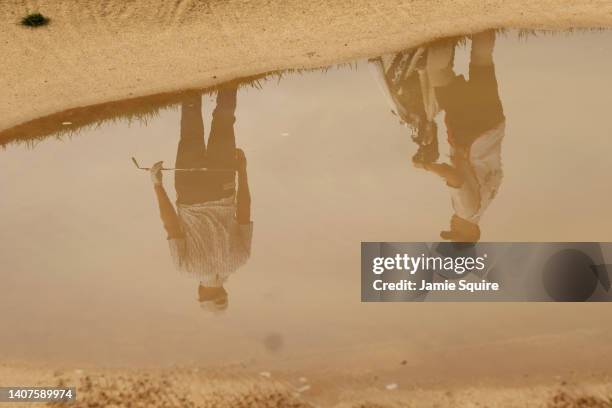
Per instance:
(95,52)
(236,388)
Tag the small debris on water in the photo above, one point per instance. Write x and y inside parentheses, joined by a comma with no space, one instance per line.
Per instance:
(265,374)
(303,388)
(303,379)
(66,123)
(391,387)
(285,134)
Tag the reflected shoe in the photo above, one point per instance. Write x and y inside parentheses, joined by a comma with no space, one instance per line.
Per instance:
(426,154)
(427,140)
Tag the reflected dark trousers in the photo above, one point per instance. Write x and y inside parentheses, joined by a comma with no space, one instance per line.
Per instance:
(194,187)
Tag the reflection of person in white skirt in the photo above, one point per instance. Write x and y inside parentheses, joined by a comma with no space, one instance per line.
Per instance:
(210,232)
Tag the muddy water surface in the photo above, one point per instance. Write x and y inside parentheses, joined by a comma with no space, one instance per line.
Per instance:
(88,277)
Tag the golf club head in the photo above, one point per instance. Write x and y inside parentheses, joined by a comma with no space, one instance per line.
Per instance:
(136,163)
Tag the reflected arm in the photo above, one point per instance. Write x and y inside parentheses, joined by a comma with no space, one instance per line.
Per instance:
(167,213)
(447,172)
(243,198)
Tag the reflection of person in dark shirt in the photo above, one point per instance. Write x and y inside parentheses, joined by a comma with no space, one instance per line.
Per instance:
(210,232)
(475,124)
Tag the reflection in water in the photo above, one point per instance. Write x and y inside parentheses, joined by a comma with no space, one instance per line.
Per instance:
(421,83)
(210,232)
(324,182)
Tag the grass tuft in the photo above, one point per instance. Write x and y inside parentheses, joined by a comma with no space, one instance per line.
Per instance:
(34,20)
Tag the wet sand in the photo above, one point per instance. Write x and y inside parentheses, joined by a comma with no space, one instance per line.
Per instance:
(97,52)
(245,388)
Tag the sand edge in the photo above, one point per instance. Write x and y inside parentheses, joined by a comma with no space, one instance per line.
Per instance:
(89,55)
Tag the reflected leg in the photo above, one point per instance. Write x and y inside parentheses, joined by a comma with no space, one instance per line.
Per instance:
(221,149)
(191,152)
(222,140)
(439,66)
(486,107)
(482,48)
